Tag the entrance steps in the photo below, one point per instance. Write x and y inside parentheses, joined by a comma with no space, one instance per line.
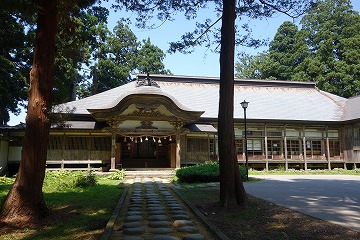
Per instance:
(150,172)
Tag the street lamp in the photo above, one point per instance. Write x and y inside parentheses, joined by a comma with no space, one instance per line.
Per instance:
(244,105)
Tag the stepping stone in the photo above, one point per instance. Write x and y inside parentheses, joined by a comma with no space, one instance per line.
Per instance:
(132,224)
(188,229)
(134,208)
(163,237)
(135,205)
(157,218)
(178,212)
(176,208)
(161,230)
(193,237)
(151,194)
(155,208)
(180,223)
(174,205)
(181,217)
(133,218)
(131,213)
(132,238)
(156,224)
(134,230)
(158,212)
(154,205)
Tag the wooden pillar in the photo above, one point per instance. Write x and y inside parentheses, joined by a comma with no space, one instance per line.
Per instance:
(177,155)
(304,149)
(328,148)
(285,150)
(266,150)
(113,152)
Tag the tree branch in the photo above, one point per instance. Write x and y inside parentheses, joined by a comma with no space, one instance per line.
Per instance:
(286,12)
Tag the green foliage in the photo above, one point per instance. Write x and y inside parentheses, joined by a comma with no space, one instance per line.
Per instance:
(14,64)
(6,180)
(325,50)
(208,172)
(65,180)
(117,175)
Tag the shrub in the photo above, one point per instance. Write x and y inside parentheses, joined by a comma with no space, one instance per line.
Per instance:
(208,172)
(86,180)
(6,180)
(117,175)
(64,180)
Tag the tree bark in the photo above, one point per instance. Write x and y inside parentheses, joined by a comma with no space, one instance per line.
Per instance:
(24,204)
(232,192)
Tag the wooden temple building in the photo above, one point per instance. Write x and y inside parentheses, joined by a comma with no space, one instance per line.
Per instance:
(168,121)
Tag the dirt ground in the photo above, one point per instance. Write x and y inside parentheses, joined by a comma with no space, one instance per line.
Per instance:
(264,220)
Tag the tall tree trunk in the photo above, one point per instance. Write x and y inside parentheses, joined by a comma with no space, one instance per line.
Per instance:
(232,192)
(25,203)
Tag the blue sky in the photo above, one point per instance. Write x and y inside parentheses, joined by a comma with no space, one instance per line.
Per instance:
(202,62)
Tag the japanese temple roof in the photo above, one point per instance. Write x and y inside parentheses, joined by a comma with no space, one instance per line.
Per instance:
(268,100)
(352,109)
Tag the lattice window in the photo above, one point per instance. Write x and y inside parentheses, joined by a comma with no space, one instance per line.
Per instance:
(197,145)
(334,147)
(76,143)
(55,142)
(254,147)
(102,144)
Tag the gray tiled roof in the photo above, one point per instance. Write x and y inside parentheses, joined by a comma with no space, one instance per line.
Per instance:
(352,109)
(268,100)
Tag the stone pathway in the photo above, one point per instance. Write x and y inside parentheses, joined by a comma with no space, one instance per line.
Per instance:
(152,210)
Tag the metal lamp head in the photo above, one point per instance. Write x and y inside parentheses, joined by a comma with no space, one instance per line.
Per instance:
(244,104)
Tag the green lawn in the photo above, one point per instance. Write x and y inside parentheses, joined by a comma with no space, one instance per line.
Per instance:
(76,213)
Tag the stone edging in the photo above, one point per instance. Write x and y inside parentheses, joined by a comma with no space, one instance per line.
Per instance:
(214,229)
(109,226)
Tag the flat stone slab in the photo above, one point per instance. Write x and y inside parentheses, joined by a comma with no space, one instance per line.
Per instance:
(163,237)
(158,212)
(132,224)
(180,223)
(154,205)
(131,213)
(176,208)
(174,205)
(134,231)
(156,224)
(155,208)
(197,236)
(161,230)
(157,218)
(174,211)
(188,229)
(181,217)
(132,238)
(134,208)
(134,218)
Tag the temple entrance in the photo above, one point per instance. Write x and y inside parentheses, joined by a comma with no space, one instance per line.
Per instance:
(145,152)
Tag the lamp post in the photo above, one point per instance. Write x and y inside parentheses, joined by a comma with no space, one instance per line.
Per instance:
(244,105)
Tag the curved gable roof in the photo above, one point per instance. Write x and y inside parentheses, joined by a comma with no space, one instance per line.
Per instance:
(268,100)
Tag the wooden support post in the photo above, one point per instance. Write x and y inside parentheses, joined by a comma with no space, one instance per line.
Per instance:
(177,155)
(328,149)
(113,152)
(304,149)
(285,150)
(266,150)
